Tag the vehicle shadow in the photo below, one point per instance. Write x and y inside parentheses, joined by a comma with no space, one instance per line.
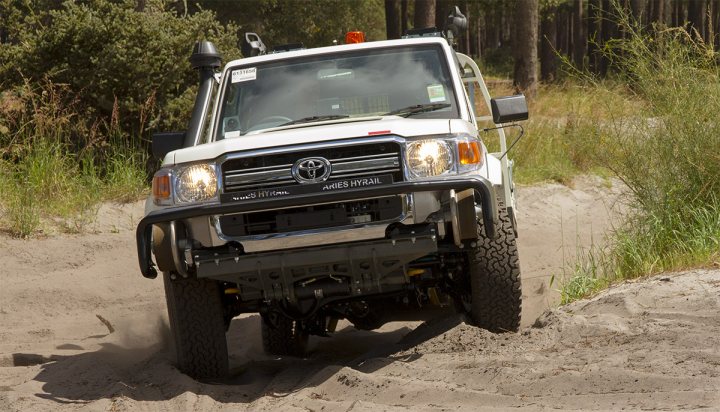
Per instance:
(148,373)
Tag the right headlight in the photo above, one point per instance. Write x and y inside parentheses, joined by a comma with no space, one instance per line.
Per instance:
(430,157)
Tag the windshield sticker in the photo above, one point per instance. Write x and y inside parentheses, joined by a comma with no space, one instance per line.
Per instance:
(234,133)
(436,93)
(244,75)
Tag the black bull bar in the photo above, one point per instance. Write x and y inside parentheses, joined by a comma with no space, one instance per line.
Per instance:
(481,185)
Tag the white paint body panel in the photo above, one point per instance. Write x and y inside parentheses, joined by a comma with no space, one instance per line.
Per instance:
(310,133)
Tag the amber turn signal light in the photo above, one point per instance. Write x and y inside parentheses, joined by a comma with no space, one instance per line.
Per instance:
(469,152)
(161,187)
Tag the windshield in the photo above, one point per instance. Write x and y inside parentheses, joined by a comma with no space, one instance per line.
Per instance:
(408,81)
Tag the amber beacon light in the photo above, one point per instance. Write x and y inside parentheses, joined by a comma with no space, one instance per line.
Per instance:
(354,37)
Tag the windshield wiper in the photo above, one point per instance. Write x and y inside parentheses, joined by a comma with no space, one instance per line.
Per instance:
(418,108)
(315,119)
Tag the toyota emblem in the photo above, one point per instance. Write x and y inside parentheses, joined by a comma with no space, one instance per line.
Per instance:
(311,170)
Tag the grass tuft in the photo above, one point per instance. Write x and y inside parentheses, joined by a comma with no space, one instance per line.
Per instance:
(55,170)
(563,134)
(666,153)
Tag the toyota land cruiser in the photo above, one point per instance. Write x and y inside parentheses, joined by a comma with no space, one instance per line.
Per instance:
(342,182)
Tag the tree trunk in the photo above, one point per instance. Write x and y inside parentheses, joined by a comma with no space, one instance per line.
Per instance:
(716,23)
(608,32)
(561,21)
(560,32)
(570,19)
(526,39)
(479,34)
(466,34)
(403,16)
(657,14)
(496,30)
(548,45)
(579,34)
(508,24)
(678,15)
(424,14)
(442,9)
(567,20)
(696,18)
(594,34)
(392,19)
(638,11)
(674,14)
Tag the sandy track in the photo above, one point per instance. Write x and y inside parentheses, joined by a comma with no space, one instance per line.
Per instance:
(644,345)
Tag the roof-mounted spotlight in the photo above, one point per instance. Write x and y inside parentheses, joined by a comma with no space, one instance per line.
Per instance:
(252,46)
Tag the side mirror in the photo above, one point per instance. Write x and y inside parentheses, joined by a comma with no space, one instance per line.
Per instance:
(509,109)
(166,142)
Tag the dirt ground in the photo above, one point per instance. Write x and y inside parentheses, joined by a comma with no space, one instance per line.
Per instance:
(80,329)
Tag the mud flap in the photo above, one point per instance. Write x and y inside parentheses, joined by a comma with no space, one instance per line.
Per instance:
(162,247)
(464,216)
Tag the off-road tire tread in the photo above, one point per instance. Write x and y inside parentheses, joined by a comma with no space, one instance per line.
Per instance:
(282,338)
(495,282)
(196,320)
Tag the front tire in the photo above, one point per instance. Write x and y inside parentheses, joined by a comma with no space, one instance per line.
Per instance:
(495,284)
(196,320)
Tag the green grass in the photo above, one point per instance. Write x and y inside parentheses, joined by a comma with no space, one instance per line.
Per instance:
(584,275)
(645,245)
(51,189)
(664,242)
(562,135)
(52,181)
(667,154)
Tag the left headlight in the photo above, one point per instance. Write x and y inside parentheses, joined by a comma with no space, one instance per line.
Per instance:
(444,155)
(429,157)
(196,183)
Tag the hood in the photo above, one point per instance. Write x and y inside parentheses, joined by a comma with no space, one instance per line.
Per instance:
(312,133)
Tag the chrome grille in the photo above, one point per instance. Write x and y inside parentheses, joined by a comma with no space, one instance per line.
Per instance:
(346,162)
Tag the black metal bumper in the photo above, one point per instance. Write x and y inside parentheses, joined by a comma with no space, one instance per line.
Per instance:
(143,234)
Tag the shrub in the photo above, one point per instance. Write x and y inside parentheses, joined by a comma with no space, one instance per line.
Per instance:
(118,61)
(667,154)
(44,174)
(85,82)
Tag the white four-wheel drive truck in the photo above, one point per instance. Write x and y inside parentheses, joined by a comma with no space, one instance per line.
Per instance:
(342,182)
